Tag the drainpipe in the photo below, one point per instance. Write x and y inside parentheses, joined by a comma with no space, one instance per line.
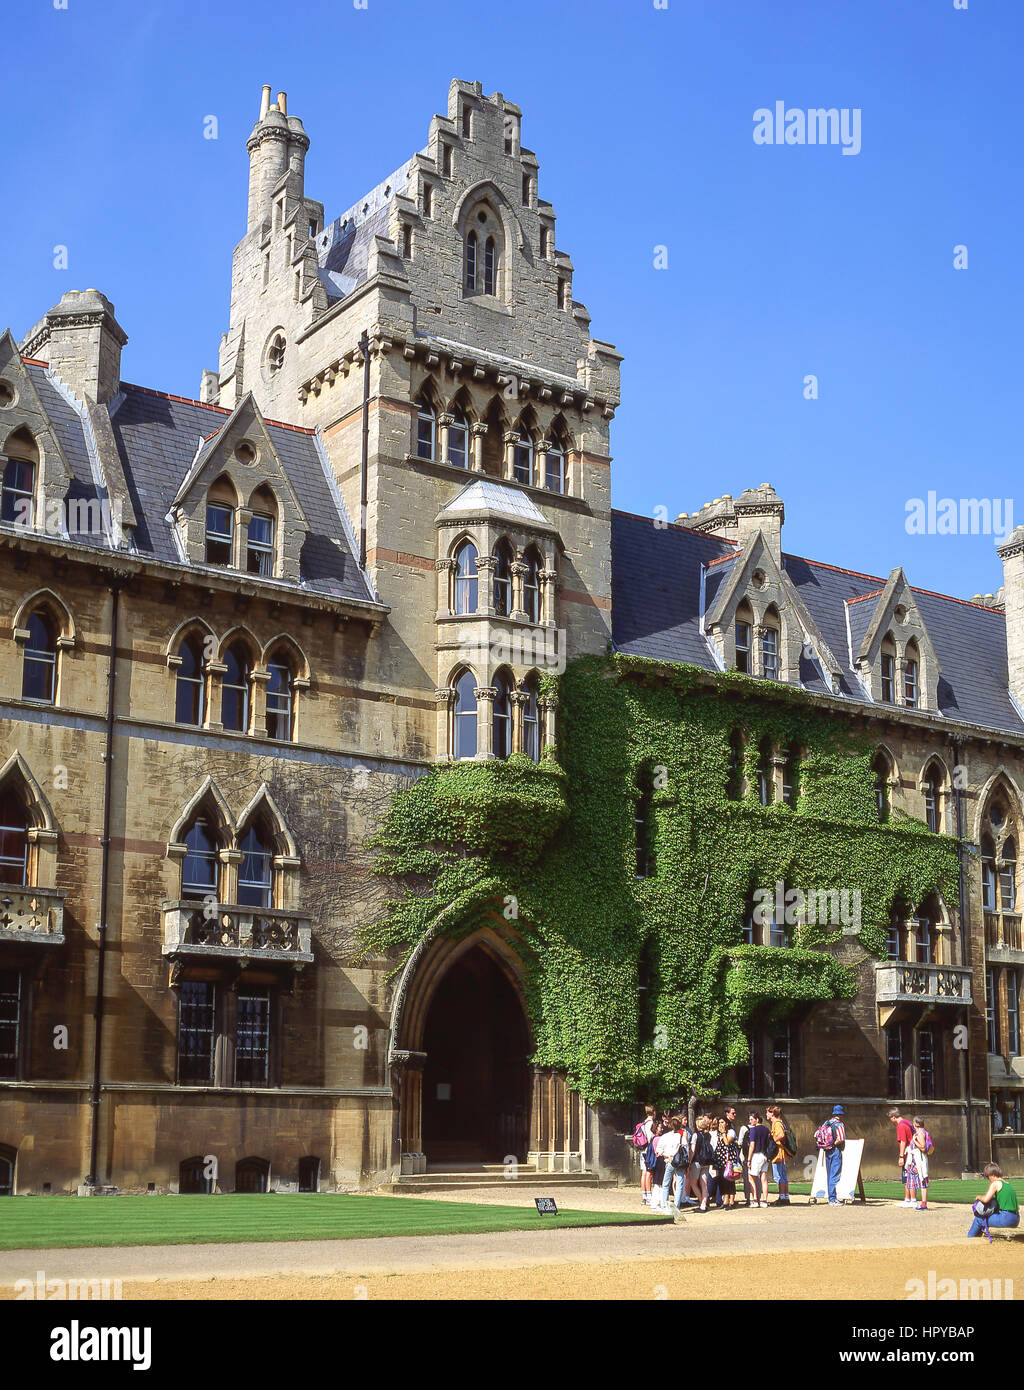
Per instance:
(364,348)
(961,851)
(108,757)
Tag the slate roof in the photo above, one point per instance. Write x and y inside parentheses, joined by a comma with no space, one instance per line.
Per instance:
(157,437)
(656,583)
(343,246)
(482,494)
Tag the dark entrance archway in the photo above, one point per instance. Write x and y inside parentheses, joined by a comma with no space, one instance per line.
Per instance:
(476,1081)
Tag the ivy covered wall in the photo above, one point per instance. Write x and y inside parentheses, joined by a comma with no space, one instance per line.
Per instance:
(642,986)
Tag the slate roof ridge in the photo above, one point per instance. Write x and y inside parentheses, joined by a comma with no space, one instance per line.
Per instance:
(635,516)
(34,362)
(859,598)
(875,579)
(207,405)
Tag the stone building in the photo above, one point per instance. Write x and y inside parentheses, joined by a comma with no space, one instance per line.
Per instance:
(236,625)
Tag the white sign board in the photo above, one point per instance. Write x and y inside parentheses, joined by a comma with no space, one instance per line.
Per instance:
(847,1184)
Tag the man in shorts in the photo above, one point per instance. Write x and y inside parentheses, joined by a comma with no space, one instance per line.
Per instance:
(757,1159)
(904,1137)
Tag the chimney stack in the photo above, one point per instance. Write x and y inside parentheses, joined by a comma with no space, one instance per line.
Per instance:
(81,340)
(1012,555)
(277,146)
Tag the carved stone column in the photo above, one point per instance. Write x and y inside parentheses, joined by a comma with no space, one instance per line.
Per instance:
(445,569)
(519,700)
(485,567)
(548,580)
(779,761)
(909,929)
(445,697)
(214,671)
(477,433)
(519,572)
(541,462)
(444,424)
(548,705)
(485,697)
(260,680)
(408,1074)
(511,438)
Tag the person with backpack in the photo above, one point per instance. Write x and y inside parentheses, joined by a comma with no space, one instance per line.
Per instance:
(668,1147)
(758,1138)
(703,1158)
(916,1167)
(642,1136)
(782,1145)
(997,1207)
(830,1137)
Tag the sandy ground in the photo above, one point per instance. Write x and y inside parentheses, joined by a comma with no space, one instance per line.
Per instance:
(805,1252)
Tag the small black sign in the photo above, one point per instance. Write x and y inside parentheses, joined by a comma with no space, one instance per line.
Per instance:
(546,1206)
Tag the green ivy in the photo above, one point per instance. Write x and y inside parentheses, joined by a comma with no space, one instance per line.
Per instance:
(642,986)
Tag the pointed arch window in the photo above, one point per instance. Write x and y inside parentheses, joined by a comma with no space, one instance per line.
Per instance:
(554,468)
(765,781)
(426,429)
(280,698)
(894,936)
(501,745)
(17,497)
(471,262)
(924,939)
(911,686)
(236,685)
(531,720)
(260,544)
(889,671)
(464,714)
(502,579)
(14,824)
(1008,877)
(190,684)
(882,770)
(734,784)
(751,927)
(491,266)
(743,652)
(779,933)
(989,899)
(255,873)
(39,672)
(220,533)
(458,441)
(466,581)
(770,648)
(531,586)
(933,800)
(791,775)
(200,869)
(522,461)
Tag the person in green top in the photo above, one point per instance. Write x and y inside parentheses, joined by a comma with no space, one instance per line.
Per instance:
(1005,1198)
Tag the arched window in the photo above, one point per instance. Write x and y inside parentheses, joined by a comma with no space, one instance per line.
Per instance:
(14,823)
(458,441)
(911,685)
(1008,877)
(501,744)
(531,720)
(770,646)
(491,266)
(471,262)
(502,579)
(554,467)
(924,938)
(882,770)
(522,460)
(531,586)
(894,935)
(744,651)
(791,775)
(255,873)
(765,781)
(280,698)
(261,536)
(39,673)
(17,495)
(734,785)
(779,932)
(200,869)
(988,875)
(751,927)
(220,532)
(889,670)
(933,799)
(464,716)
(190,684)
(426,429)
(465,583)
(252,1175)
(235,689)
(194,1176)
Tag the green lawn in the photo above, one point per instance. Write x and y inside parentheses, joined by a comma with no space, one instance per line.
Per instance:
(36,1223)
(939,1189)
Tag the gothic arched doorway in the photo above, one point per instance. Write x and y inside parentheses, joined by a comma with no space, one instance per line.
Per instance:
(476,1081)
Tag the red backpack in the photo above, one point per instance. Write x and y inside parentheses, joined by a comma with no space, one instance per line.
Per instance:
(640,1139)
(825,1135)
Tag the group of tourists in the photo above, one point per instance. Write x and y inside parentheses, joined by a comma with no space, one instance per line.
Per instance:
(702,1166)
(708,1162)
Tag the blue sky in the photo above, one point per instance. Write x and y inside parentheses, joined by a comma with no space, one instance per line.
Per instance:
(782,261)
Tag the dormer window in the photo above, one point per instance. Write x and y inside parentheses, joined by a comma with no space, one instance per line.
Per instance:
(743,651)
(260,545)
(770,652)
(911,688)
(220,531)
(889,676)
(19,483)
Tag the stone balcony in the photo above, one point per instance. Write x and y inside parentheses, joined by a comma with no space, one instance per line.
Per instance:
(902,982)
(31,916)
(232,933)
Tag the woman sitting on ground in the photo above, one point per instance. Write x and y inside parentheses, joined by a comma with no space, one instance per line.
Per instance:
(1003,1196)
